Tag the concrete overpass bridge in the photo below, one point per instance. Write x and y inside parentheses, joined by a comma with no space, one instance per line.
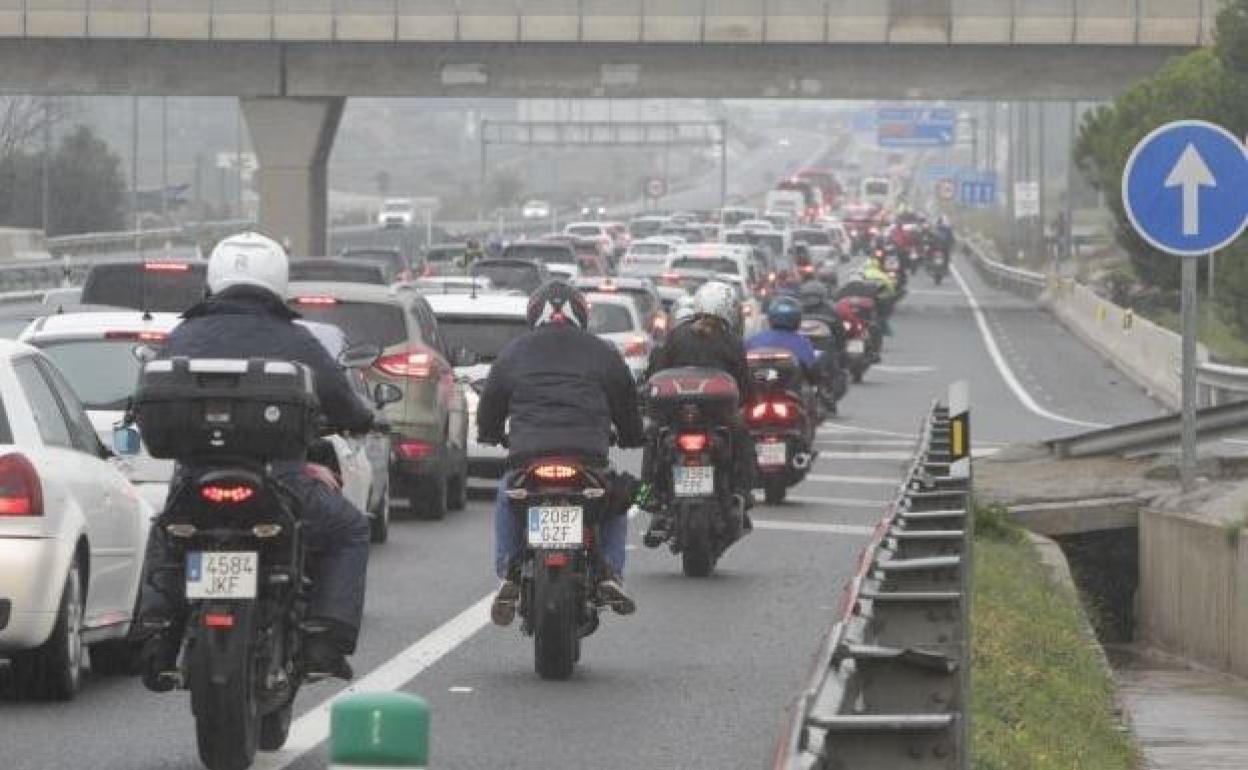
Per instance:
(293,62)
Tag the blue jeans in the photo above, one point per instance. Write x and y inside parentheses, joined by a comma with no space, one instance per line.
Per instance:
(509,535)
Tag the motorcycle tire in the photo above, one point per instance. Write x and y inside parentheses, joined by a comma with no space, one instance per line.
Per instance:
(275,727)
(774,492)
(221,671)
(696,559)
(554,618)
(856,373)
(938,278)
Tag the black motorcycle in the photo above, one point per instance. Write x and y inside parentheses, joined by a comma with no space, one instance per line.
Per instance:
(689,461)
(936,260)
(827,337)
(232,531)
(780,416)
(559,502)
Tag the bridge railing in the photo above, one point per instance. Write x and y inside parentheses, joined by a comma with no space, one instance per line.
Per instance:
(890,685)
(1096,22)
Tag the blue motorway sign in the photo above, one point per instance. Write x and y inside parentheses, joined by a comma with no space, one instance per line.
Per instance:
(977,188)
(1185,187)
(912,127)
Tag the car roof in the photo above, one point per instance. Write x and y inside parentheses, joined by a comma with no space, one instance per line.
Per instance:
(94,324)
(607,298)
(348,292)
(622,282)
(484,304)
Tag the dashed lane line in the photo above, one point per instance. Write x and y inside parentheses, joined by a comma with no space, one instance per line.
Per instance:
(839,502)
(884,455)
(808,526)
(1003,366)
(882,481)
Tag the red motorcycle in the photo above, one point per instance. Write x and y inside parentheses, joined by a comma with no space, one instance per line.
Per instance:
(779,417)
(864,337)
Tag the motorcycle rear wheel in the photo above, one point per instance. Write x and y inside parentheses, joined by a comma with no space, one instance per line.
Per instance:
(774,492)
(227,722)
(555,628)
(695,554)
(275,728)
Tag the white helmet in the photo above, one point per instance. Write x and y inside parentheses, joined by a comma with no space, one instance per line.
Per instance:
(683,308)
(718,299)
(249,259)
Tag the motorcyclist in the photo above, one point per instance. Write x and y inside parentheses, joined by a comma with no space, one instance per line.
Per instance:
(784,317)
(245,316)
(706,340)
(944,233)
(817,306)
(472,253)
(562,389)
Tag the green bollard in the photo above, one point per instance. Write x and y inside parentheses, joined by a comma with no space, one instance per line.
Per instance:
(379,730)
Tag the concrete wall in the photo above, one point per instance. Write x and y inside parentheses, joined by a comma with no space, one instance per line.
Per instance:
(1193,593)
(1147,353)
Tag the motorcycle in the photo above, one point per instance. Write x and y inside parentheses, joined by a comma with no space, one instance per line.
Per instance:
(234,532)
(829,346)
(864,335)
(559,502)
(937,263)
(778,416)
(690,461)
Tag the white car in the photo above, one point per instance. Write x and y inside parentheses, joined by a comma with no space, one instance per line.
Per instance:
(535,209)
(73,533)
(95,353)
(454,284)
(645,258)
(397,212)
(595,231)
(616,319)
(482,324)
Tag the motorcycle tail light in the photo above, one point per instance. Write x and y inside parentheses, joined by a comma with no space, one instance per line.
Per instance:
(218,620)
(414,450)
(556,472)
(223,495)
(692,443)
(557,560)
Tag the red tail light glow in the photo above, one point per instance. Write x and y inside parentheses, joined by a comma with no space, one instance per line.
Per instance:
(21,493)
(691,443)
(557,559)
(778,411)
(315,301)
(418,364)
(414,450)
(227,495)
(635,347)
(555,472)
(218,620)
(671,279)
(167,267)
(140,336)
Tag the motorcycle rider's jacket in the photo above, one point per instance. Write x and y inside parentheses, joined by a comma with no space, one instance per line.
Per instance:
(791,341)
(703,341)
(249,322)
(876,274)
(562,389)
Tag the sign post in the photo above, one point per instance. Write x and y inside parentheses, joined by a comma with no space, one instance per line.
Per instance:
(1180,205)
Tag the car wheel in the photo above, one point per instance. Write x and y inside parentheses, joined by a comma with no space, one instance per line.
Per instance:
(379,522)
(53,670)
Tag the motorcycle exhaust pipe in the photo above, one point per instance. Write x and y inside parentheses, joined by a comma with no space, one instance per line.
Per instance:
(802,460)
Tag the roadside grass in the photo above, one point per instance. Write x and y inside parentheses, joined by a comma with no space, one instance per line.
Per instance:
(1225,343)
(1041,697)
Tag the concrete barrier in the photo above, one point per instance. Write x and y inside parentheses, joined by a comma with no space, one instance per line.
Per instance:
(1193,593)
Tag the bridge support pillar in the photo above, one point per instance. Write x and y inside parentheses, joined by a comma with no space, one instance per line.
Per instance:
(293,138)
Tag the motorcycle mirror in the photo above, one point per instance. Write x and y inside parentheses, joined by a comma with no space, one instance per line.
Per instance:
(126,442)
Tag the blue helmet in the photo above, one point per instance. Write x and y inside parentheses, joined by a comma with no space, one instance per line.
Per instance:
(784,313)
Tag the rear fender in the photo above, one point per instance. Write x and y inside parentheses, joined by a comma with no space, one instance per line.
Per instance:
(218,656)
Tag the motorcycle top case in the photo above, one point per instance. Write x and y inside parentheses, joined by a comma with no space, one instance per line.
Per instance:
(204,408)
(711,389)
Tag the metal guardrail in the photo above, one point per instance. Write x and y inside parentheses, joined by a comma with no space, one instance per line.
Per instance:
(1157,433)
(890,687)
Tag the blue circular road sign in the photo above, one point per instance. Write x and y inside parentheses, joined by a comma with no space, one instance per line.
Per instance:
(1185,187)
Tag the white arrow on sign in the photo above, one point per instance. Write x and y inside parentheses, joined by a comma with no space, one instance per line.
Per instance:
(1191,173)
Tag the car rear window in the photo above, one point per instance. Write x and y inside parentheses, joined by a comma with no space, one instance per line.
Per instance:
(649,249)
(589,265)
(714,264)
(102,373)
(609,319)
(690,234)
(378,322)
(163,287)
(590,230)
(444,254)
(518,276)
(813,237)
(350,272)
(392,263)
(546,253)
(482,335)
(644,299)
(644,228)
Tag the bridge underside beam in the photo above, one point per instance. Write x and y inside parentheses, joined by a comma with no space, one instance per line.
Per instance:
(293,138)
(816,71)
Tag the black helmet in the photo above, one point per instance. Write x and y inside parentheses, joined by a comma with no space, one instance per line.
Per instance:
(557,302)
(813,294)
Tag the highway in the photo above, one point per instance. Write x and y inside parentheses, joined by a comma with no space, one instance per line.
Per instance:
(699,677)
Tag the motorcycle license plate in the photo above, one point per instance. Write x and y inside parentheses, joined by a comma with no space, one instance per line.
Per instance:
(221,574)
(772,453)
(556,526)
(857,347)
(693,480)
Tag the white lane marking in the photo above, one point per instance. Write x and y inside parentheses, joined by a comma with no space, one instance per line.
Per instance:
(1003,367)
(864,442)
(882,481)
(843,502)
(309,730)
(807,526)
(834,429)
(459,689)
(888,369)
(836,455)
(933,292)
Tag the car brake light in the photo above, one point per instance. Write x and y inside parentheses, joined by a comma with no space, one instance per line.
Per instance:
(167,267)
(414,450)
(227,495)
(218,620)
(555,472)
(140,336)
(315,301)
(660,323)
(21,493)
(691,443)
(808,269)
(418,364)
(635,347)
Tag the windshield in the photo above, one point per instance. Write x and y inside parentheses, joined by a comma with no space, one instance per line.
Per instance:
(644,228)
(158,287)
(482,335)
(585,230)
(546,253)
(812,237)
(609,319)
(103,373)
(713,264)
(648,249)
(444,253)
(336,271)
(876,188)
(639,267)
(525,278)
(377,322)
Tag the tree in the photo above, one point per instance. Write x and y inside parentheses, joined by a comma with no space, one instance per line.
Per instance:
(86,187)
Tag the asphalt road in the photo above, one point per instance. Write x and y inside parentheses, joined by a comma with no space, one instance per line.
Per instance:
(699,677)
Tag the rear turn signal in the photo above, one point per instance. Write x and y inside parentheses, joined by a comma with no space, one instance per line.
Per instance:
(227,495)
(21,493)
